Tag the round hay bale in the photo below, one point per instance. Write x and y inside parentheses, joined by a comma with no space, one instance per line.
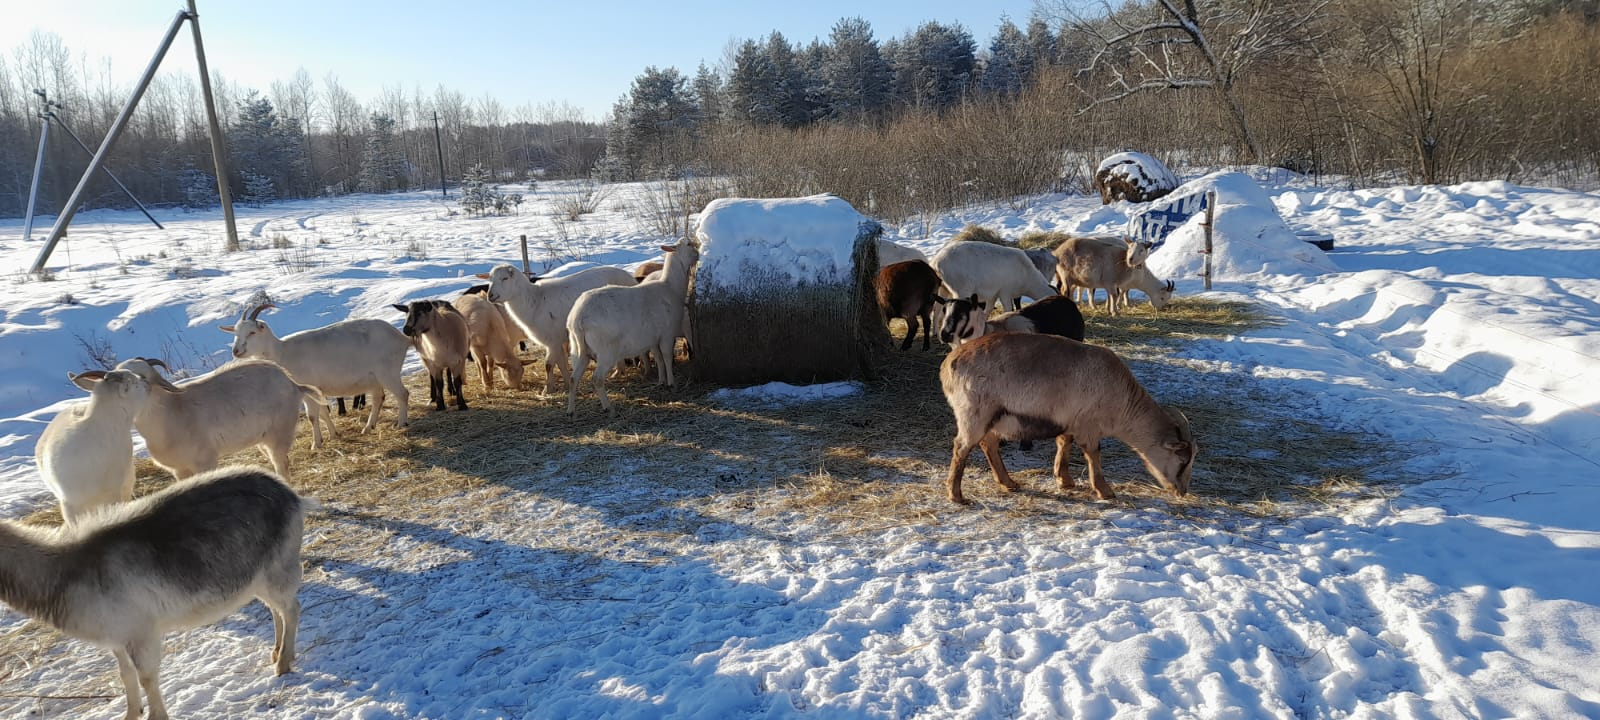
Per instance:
(784,292)
(978,233)
(1133,176)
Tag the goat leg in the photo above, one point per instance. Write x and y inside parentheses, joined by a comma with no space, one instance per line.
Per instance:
(1063,455)
(991,450)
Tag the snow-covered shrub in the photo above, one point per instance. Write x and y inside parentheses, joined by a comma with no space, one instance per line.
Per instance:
(199,188)
(258,189)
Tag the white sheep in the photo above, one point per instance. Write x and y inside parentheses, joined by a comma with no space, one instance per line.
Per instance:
(994,272)
(491,344)
(1022,386)
(1091,263)
(253,403)
(541,306)
(350,357)
(611,323)
(175,559)
(85,454)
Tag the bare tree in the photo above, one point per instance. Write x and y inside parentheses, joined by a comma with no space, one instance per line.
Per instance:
(1187,44)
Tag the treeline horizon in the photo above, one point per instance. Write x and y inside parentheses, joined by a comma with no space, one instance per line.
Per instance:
(1425,91)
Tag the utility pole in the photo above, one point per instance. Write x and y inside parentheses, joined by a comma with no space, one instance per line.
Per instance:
(38,164)
(219,149)
(439,145)
(117,126)
(107,171)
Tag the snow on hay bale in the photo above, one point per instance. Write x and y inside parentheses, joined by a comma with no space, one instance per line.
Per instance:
(1133,176)
(1250,240)
(784,291)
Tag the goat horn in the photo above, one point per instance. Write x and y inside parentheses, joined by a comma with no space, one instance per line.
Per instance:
(156,362)
(1172,286)
(259,308)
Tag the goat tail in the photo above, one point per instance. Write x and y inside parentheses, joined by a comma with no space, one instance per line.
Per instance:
(311,505)
(312,394)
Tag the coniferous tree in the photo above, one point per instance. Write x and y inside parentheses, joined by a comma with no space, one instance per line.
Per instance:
(857,79)
(383,167)
(753,87)
(654,125)
(941,65)
(707,87)
(1010,64)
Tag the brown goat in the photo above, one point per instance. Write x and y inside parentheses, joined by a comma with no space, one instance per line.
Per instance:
(491,344)
(1084,262)
(1019,386)
(645,270)
(909,290)
(439,333)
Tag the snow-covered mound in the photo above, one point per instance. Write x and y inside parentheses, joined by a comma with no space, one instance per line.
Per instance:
(1250,240)
(1133,176)
(808,240)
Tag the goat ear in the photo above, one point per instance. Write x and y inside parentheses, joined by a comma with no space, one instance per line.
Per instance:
(1130,241)
(402,308)
(87,379)
(226,328)
(481,276)
(668,248)
(940,300)
(1175,445)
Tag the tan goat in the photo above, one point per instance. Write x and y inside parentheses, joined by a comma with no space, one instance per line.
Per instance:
(1016,386)
(1091,263)
(491,343)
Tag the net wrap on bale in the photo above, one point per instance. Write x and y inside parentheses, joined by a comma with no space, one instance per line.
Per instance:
(784,291)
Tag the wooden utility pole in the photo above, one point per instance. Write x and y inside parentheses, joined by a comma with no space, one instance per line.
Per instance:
(99,159)
(219,149)
(439,146)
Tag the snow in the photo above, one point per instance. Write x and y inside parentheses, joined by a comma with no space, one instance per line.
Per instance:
(776,394)
(801,240)
(1459,322)
(1250,240)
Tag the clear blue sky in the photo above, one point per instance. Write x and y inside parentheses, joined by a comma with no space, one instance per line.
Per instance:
(582,53)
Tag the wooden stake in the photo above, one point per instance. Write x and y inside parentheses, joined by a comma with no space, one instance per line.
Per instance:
(526,270)
(1211,209)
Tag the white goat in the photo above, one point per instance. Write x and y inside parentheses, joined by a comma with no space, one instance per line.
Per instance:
(541,306)
(350,357)
(611,323)
(440,334)
(1020,386)
(188,429)
(85,454)
(994,272)
(178,558)
(1092,264)
(890,253)
(491,345)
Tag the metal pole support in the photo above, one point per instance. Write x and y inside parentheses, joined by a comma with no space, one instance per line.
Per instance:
(38,168)
(219,148)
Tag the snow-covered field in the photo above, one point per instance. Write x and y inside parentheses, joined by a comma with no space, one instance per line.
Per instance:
(1460,323)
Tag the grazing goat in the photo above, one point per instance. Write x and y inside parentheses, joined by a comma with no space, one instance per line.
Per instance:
(609,324)
(909,290)
(540,306)
(491,345)
(967,319)
(993,272)
(514,332)
(85,454)
(243,404)
(1092,264)
(439,332)
(175,559)
(346,358)
(1018,386)
(647,269)
(890,253)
